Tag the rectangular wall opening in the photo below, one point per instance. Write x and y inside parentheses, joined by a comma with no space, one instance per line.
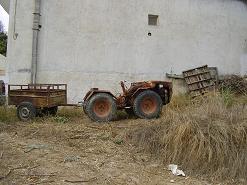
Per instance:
(153,20)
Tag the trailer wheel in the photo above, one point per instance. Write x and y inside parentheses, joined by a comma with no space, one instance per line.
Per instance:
(147,105)
(101,107)
(26,111)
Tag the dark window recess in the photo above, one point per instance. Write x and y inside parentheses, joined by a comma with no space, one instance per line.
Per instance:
(153,20)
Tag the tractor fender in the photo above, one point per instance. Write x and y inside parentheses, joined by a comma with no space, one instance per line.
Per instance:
(138,91)
(92,92)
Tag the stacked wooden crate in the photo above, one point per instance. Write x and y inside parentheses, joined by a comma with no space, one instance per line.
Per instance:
(199,80)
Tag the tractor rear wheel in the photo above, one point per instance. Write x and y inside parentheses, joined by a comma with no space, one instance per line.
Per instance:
(147,105)
(101,107)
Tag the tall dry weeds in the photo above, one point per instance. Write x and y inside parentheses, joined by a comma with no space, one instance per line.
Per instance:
(204,136)
(7,115)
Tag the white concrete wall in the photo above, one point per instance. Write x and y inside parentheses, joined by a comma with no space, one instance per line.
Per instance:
(97,43)
(3,73)
(20,32)
(243,60)
(3,64)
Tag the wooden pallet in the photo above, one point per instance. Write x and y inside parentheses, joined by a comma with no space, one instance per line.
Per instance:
(199,80)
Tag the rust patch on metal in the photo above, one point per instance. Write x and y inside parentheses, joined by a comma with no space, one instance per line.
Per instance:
(102,108)
(149,105)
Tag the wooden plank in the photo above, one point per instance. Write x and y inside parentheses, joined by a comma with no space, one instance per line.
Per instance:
(203,87)
(196,74)
(199,81)
(198,68)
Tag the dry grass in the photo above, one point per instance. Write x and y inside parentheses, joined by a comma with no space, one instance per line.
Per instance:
(235,84)
(7,115)
(207,135)
(204,136)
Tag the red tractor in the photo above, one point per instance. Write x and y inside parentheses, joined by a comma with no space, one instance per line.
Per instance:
(144,99)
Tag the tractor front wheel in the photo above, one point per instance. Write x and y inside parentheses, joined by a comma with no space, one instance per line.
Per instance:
(148,105)
(101,107)
(84,106)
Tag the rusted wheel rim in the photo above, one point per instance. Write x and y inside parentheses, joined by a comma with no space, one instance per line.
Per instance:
(102,108)
(24,112)
(149,105)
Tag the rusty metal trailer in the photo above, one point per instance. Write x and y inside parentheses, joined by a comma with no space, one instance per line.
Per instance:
(33,100)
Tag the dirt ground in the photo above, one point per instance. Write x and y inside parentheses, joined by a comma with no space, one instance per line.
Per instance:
(73,150)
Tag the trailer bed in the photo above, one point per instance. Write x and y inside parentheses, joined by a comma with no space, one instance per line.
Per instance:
(40,95)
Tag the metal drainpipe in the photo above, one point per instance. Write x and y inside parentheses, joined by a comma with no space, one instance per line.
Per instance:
(36,29)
